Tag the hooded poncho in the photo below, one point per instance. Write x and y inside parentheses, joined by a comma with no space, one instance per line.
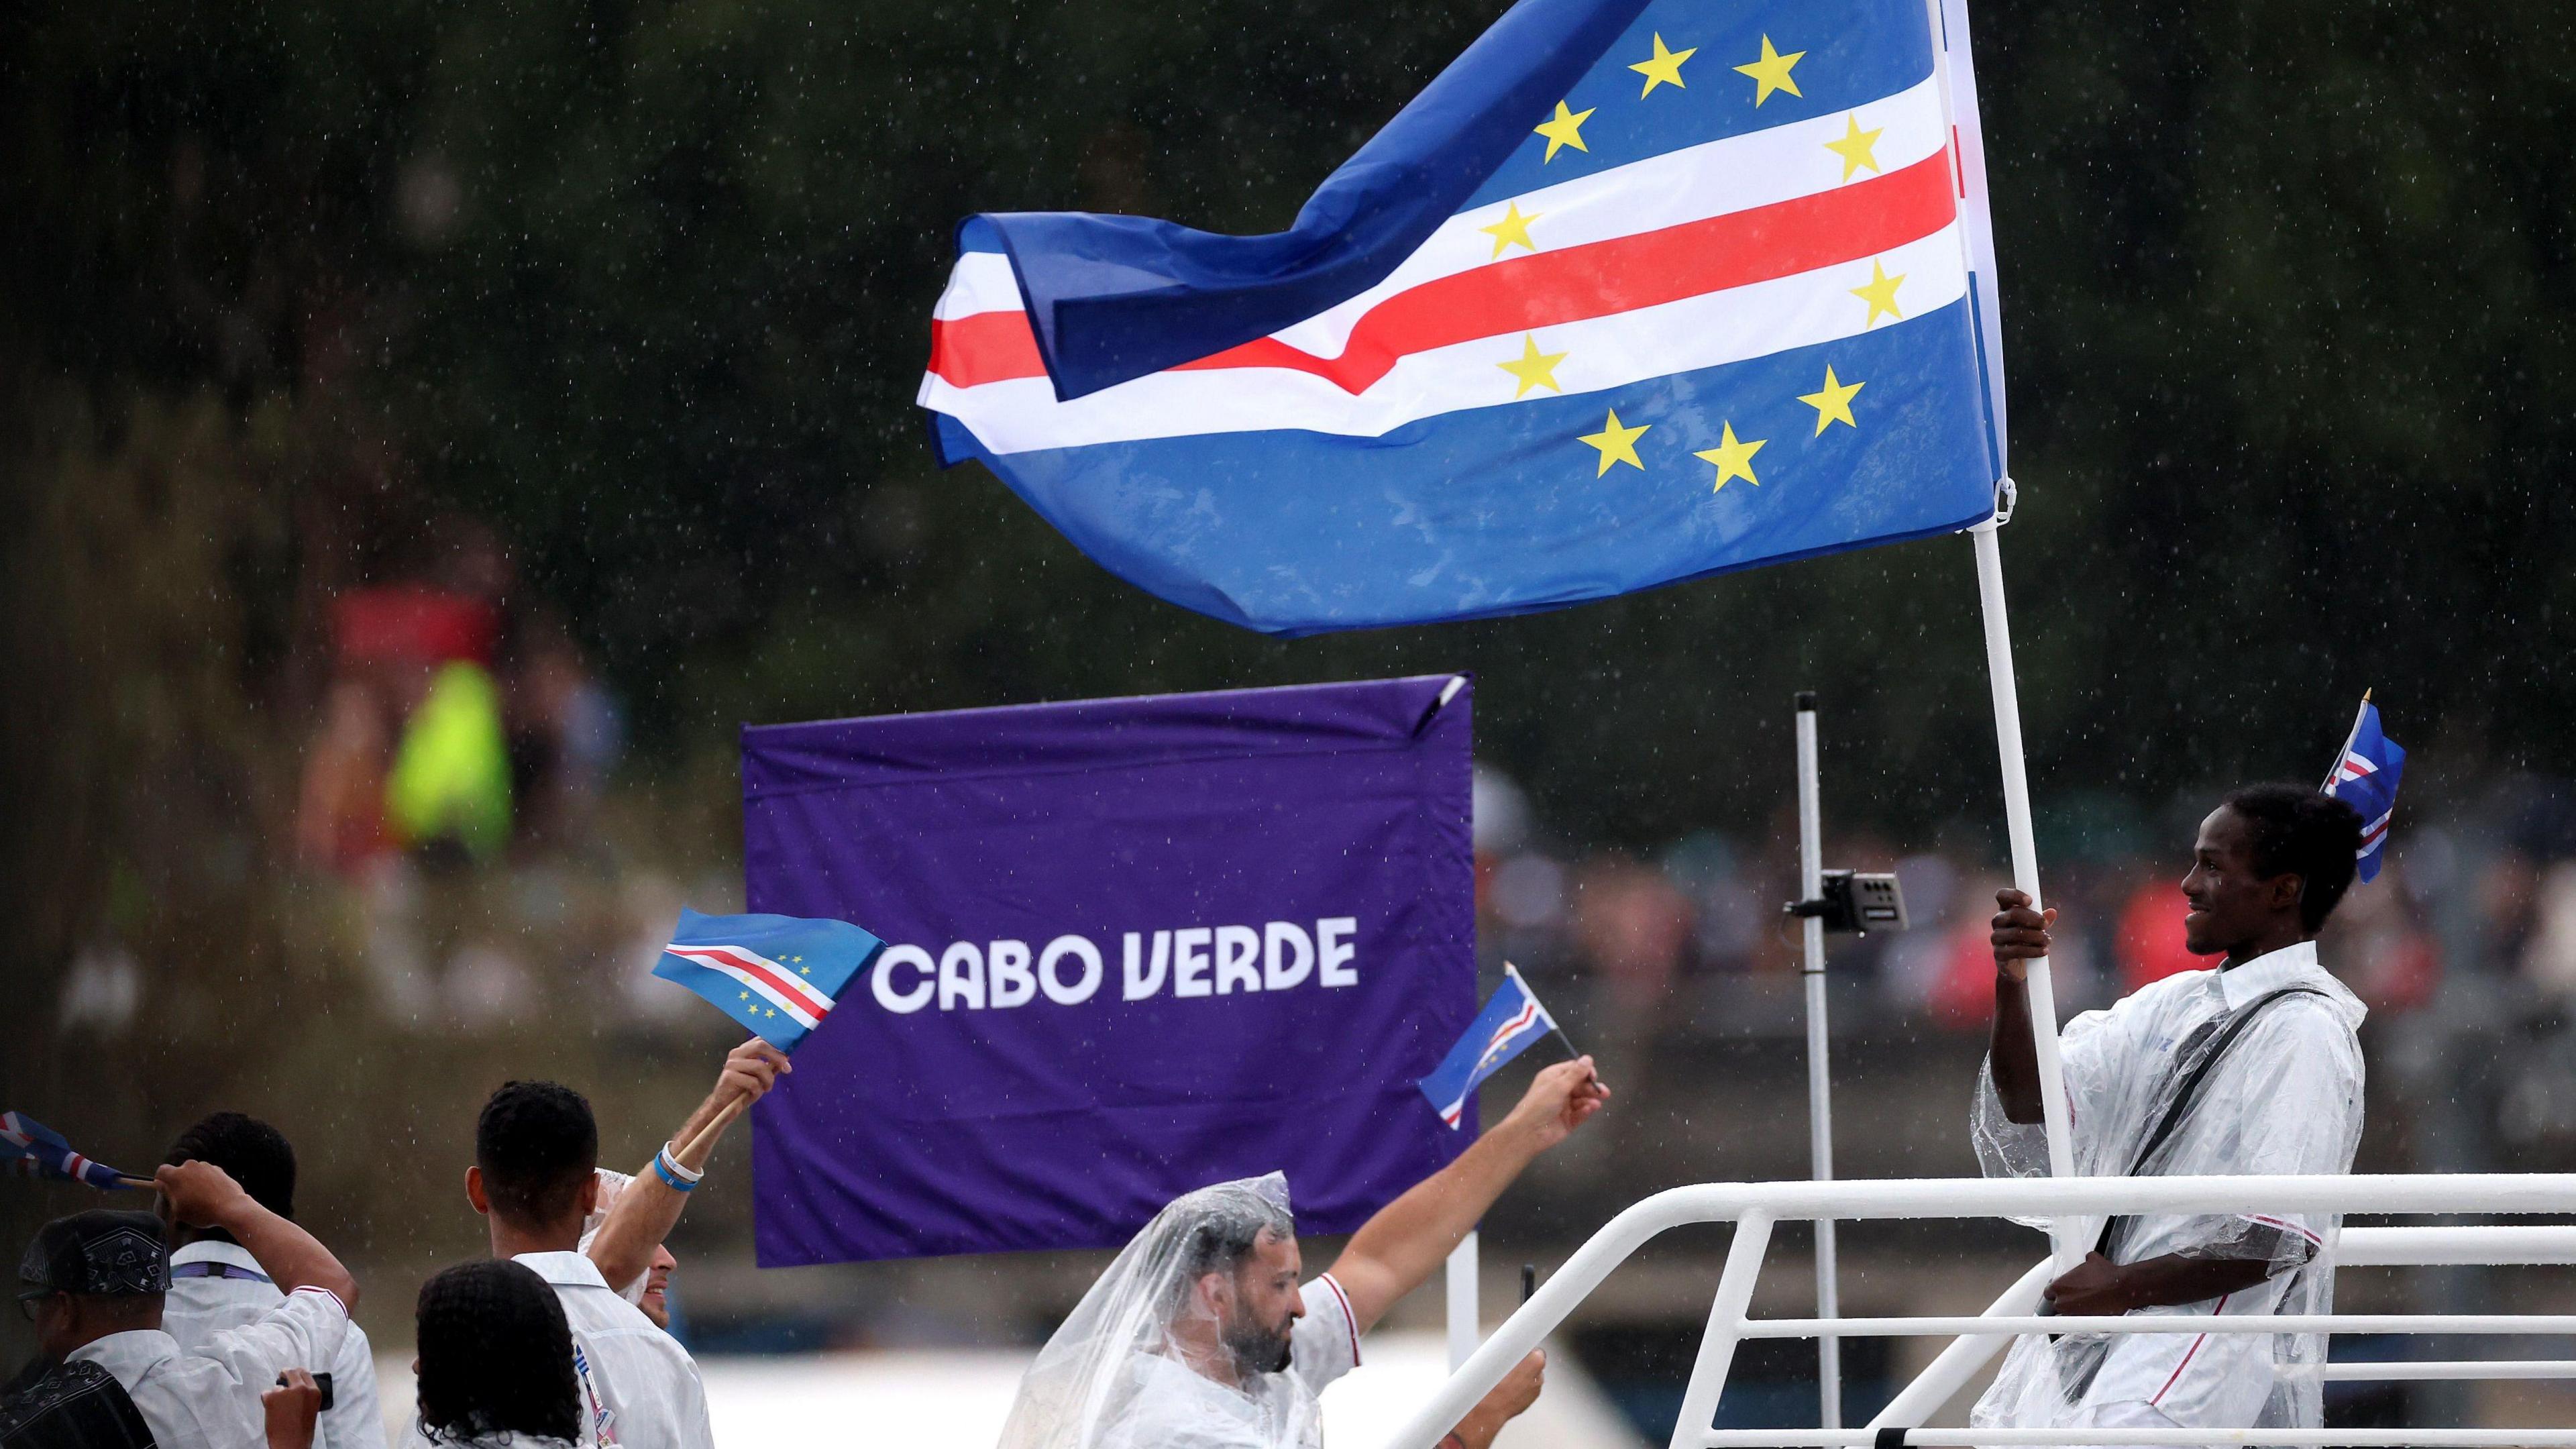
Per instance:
(1115,1375)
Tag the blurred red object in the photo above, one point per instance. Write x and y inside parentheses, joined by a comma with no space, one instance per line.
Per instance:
(1963,995)
(2151,937)
(409,623)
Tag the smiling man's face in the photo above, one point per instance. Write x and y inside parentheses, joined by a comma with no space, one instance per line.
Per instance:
(2229,902)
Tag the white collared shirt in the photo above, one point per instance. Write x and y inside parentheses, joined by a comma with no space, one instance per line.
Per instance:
(2286,1099)
(199,1307)
(640,1389)
(207,1397)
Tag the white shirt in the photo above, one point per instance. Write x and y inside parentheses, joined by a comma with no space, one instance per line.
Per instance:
(208,1397)
(640,1389)
(198,1308)
(1172,1406)
(2286,1099)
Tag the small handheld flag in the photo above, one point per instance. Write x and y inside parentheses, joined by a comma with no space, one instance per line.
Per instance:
(31,1149)
(777,975)
(1503,1030)
(2365,776)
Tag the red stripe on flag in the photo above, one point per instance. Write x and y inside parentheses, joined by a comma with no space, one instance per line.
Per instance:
(802,992)
(1598,279)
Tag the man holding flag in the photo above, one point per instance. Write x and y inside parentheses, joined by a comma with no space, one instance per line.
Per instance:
(2250,1068)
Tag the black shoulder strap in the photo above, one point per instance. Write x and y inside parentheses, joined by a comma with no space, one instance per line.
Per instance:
(2187,1095)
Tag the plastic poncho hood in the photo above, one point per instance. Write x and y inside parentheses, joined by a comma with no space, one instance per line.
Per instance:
(1116,1374)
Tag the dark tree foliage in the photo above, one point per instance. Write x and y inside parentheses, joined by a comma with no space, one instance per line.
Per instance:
(2287,290)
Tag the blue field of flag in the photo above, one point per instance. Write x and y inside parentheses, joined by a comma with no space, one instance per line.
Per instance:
(777,975)
(1507,1026)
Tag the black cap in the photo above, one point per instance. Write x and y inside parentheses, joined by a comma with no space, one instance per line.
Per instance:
(102,1253)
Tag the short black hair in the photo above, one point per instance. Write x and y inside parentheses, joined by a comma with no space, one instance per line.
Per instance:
(255,1154)
(2300,831)
(536,1143)
(495,1355)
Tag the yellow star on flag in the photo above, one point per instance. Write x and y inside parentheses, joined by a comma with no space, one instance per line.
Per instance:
(1565,130)
(1663,68)
(746,996)
(1880,294)
(1734,458)
(1857,147)
(1833,405)
(804,970)
(1513,229)
(1771,73)
(1617,444)
(1533,368)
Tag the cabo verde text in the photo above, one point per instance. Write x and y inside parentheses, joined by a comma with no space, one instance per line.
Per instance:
(1070,970)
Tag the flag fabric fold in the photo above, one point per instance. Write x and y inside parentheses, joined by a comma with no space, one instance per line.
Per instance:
(1510,1022)
(32,1149)
(1717,294)
(2365,776)
(777,975)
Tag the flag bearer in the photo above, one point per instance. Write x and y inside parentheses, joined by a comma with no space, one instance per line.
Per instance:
(2251,1067)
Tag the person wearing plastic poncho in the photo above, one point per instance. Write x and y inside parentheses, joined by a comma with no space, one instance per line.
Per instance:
(2251,1068)
(1200,1337)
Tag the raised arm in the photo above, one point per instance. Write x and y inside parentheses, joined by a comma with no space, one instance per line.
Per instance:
(646,1211)
(1395,1251)
(2020,936)
(203,1195)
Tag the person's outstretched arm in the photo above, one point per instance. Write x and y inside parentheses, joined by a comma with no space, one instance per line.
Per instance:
(203,1195)
(646,1211)
(2020,937)
(1396,1250)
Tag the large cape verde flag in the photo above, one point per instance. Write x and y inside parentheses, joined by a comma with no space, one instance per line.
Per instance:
(1632,293)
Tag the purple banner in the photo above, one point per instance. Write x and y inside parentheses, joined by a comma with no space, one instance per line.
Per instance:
(1134,946)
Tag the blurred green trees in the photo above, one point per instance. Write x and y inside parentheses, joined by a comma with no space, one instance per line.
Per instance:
(2286,297)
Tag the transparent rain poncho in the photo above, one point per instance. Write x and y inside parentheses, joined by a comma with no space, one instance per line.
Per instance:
(2285,1098)
(1120,1372)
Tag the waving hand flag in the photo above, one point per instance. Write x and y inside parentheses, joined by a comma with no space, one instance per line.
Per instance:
(1631,293)
(2365,776)
(32,1149)
(777,975)
(1503,1030)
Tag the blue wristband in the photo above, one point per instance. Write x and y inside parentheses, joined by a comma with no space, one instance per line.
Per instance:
(662,1168)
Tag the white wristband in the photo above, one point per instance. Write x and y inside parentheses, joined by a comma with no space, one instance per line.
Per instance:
(672,1163)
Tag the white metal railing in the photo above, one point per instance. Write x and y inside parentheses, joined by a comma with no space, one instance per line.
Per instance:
(1755,1208)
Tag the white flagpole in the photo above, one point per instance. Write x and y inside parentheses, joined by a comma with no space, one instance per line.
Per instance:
(2066,1245)
(1820,1083)
(2349,736)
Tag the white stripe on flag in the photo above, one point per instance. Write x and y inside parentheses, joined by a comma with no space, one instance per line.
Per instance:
(1601,353)
(795,1009)
(792,979)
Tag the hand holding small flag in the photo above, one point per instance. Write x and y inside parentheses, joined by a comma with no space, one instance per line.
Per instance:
(1508,1025)
(777,975)
(31,1149)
